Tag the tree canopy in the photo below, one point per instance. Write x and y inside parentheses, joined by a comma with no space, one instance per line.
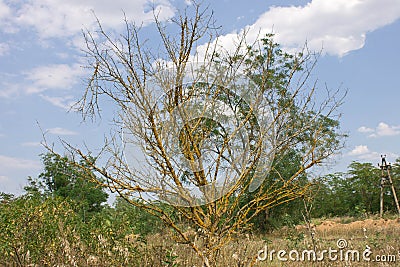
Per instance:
(62,177)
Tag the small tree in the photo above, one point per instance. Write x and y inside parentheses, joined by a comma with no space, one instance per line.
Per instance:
(334,196)
(62,177)
(209,125)
(364,182)
(355,192)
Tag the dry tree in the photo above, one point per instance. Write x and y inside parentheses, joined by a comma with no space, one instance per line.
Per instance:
(196,134)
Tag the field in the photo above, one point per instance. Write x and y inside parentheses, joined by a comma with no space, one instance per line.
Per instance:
(351,235)
(51,232)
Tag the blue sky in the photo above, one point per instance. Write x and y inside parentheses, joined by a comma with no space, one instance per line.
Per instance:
(41,73)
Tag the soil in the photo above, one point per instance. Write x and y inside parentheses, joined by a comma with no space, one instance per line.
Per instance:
(357,225)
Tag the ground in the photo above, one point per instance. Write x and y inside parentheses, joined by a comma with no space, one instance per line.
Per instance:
(378,240)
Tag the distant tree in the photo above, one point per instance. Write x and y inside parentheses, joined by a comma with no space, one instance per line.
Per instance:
(395,172)
(355,192)
(140,221)
(62,177)
(333,196)
(364,182)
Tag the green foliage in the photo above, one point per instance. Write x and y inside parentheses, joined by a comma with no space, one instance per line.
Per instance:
(170,259)
(36,230)
(333,196)
(48,231)
(298,126)
(63,178)
(141,222)
(62,220)
(294,238)
(288,214)
(364,181)
(354,193)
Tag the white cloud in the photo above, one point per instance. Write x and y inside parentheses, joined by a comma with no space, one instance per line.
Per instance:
(6,18)
(8,90)
(61,77)
(18,163)
(364,129)
(338,26)
(53,18)
(56,76)
(374,156)
(65,102)
(362,152)
(60,131)
(4,48)
(383,129)
(5,11)
(359,150)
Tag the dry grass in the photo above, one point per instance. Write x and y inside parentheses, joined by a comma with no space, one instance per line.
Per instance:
(381,235)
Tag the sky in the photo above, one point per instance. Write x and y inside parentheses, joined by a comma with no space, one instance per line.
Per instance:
(41,73)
